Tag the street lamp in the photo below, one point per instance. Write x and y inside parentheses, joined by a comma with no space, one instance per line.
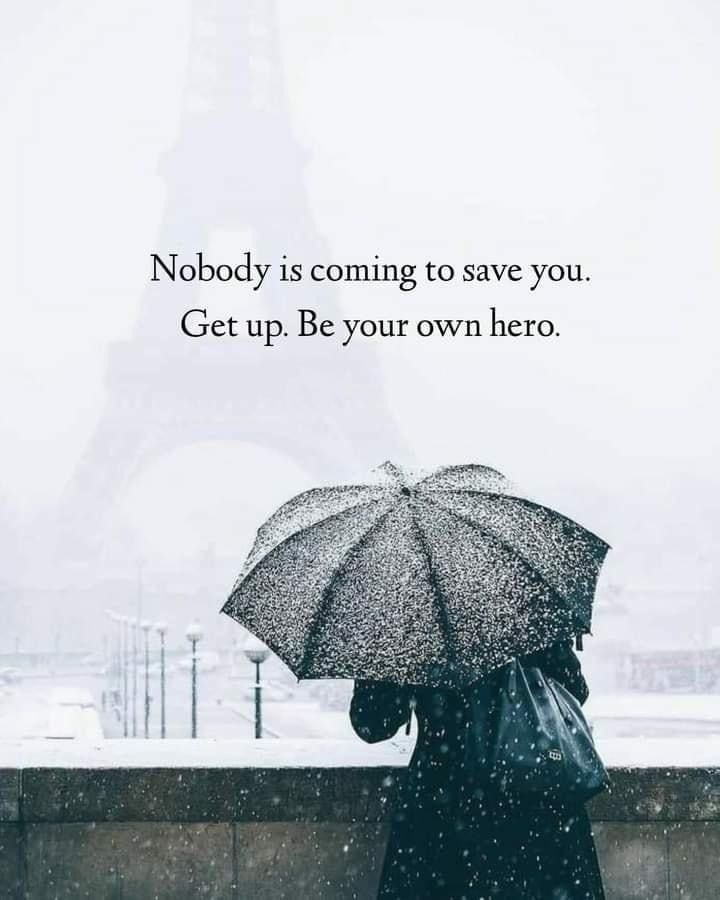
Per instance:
(125,650)
(115,666)
(193,633)
(257,653)
(118,655)
(110,654)
(161,628)
(146,626)
(134,625)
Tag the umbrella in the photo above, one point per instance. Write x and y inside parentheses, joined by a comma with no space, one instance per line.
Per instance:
(433,579)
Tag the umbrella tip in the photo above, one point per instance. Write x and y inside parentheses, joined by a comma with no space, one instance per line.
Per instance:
(392,471)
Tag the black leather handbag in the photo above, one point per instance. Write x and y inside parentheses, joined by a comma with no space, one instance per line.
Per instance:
(527,735)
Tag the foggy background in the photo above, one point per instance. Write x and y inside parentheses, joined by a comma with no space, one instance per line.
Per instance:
(137,464)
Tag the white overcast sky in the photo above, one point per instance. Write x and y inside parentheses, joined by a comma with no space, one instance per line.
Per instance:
(465,132)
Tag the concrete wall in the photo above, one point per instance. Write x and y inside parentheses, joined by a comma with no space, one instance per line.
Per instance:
(308,832)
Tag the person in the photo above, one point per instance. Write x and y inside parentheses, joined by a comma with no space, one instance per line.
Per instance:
(451,837)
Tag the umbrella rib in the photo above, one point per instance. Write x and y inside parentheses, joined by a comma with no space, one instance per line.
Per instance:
(523,501)
(438,595)
(503,543)
(305,495)
(295,534)
(326,597)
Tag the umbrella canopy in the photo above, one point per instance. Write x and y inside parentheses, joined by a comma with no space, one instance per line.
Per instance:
(430,580)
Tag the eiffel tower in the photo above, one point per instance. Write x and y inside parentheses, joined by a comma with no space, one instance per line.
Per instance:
(235,166)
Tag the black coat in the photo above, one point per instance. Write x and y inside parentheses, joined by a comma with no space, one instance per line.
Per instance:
(451,840)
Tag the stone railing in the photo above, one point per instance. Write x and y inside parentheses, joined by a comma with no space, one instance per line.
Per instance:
(289,819)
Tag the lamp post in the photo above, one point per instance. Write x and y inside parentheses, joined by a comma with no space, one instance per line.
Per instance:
(146,626)
(115,666)
(193,633)
(118,655)
(134,624)
(125,649)
(161,628)
(257,653)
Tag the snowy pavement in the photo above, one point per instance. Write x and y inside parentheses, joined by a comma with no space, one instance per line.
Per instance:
(42,709)
(694,707)
(305,724)
(295,752)
(267,752)
(226,708)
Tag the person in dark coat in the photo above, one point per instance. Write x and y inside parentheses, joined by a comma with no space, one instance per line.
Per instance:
(452,839)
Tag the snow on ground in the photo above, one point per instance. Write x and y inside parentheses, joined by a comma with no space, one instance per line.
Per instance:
(226,708)
(293,753)
(697,707)
(303,726)
(41,710)
(250,753)
(661,752)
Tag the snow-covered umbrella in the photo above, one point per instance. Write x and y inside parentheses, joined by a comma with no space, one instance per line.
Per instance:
(433,579)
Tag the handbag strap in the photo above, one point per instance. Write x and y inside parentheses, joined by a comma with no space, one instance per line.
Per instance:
(411,709)
(513,677)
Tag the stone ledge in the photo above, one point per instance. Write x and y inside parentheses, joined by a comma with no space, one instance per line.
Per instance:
(277,781)
(207,795)
(9,795)
(303,794)
(659,795)
(157,821)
